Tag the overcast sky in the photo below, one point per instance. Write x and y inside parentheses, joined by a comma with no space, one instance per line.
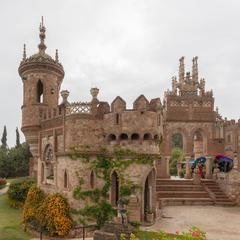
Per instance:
(124,47)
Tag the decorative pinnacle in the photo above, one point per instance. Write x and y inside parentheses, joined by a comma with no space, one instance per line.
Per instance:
(24,52)
(94,92)
(42,47)
(56,56)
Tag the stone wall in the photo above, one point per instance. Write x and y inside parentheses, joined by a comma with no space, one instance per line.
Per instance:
(230,184)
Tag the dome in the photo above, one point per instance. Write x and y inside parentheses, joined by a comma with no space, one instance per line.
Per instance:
(40,59)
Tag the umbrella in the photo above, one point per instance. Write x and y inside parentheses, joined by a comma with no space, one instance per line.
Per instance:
(220,156)
(225,164)
(199,160)
(225,159)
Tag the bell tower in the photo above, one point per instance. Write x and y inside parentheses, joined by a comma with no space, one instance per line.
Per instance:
(42,77)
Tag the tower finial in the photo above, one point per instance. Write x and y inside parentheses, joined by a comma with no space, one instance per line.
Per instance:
(24,52)
(195,69)
(56,56)
(42,47)
(181,70)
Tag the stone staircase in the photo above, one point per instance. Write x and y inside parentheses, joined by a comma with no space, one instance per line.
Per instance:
(185,192)
(220,198)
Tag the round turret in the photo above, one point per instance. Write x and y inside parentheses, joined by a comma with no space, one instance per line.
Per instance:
(42,77)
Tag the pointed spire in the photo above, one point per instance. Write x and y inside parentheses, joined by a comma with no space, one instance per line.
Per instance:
(42,47)
(195,69)
(181,72)
(56,56)
(24,52)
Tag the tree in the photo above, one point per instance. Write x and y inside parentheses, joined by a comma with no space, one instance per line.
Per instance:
(17,138)
(4,138)
(176,156)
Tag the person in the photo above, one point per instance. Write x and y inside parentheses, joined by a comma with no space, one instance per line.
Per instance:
(200,169)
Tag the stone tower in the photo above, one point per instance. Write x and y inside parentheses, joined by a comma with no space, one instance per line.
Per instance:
(42,77)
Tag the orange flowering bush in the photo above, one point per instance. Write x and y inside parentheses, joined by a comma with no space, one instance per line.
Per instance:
(33,201)
(54,215)
(49,214)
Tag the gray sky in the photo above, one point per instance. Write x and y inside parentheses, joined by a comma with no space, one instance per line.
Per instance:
(124,47)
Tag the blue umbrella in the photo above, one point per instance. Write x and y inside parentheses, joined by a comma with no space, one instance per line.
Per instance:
(225,164)
(199,160)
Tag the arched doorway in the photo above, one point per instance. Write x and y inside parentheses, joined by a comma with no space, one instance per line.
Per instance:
(198,144)
(175,164)
(48,159)
(114,189)
(149,194)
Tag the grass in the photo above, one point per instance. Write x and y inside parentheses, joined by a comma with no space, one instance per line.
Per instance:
(10,222)
(12,180)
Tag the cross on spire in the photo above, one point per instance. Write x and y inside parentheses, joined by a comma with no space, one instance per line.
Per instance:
(24,52)
(42,47)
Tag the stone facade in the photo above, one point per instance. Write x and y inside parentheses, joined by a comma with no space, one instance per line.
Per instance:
(52,129)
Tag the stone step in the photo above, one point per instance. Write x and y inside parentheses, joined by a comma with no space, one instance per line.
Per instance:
(182,194)
(225,204)
(173,182)
(179,188)
(186,201)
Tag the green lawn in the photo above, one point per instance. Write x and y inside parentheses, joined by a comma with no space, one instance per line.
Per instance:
(10,222)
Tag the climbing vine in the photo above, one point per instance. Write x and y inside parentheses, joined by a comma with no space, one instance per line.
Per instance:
(103,165)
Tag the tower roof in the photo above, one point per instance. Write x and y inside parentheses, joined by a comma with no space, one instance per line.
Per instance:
(41,58)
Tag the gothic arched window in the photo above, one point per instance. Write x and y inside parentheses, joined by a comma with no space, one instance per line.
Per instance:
(39,92)
(177,140)
(92,179)
(65,179)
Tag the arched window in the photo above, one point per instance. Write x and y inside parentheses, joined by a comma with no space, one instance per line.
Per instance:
(135,136)
(117,118)
(123,136)
(112,137)
(92,179)
(197,136)
(48,153)
(49,164)
(114,189)
(177,140)
(65,179)
(147,136)
(39,92)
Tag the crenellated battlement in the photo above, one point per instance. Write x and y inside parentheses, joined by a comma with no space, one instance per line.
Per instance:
(232,122)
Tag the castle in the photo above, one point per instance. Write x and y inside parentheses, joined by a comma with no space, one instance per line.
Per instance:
(186,118)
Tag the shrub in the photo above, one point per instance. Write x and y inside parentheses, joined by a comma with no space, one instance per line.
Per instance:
(18,191)
(48,213)
(53,214)
(101,212)
(33,201)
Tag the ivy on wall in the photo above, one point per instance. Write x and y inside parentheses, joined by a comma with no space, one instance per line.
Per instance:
(105,162)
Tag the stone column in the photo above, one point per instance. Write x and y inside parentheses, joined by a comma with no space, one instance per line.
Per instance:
(209,168)
(45,173)
(236,161)
(188,171)
(179,168)
(167,166)
(55,174)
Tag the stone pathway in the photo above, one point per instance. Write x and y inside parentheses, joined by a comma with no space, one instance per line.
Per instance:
(220,223)
(4,190)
